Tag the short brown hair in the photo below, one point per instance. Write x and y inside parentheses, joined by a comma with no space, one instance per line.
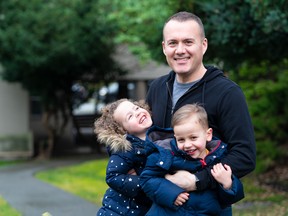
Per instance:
(183,16)
(187,111)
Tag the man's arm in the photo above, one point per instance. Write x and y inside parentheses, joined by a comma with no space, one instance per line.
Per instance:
(191,182)
(235,128)
(183,179)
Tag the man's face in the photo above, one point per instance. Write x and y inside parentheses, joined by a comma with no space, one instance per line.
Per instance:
(184,46)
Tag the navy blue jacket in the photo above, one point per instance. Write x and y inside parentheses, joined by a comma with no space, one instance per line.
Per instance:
(124,195)
(227,112)
(165,157)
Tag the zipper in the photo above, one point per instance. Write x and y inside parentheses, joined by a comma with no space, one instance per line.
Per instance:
(170,94)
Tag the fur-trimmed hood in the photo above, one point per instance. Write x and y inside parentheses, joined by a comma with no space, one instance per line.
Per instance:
(114,142)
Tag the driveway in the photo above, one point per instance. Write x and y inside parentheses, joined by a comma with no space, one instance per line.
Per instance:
(32,197)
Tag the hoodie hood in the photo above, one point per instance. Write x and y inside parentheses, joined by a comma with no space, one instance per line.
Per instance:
(210,74)
(158,140)
(159,137)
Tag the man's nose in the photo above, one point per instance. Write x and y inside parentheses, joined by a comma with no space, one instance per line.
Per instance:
(180,48)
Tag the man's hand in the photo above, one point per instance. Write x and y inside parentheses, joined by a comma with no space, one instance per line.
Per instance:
(183,179)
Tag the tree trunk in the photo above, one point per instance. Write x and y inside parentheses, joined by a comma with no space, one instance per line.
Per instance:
(46,146)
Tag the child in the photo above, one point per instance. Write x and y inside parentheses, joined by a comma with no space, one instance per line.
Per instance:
(122,127)
(192,149)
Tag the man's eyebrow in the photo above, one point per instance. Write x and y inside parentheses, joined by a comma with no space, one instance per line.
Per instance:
(190,39)
(171,40)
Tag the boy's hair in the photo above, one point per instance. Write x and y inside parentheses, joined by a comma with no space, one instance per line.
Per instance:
(188,110)
(184,16)
(111,132)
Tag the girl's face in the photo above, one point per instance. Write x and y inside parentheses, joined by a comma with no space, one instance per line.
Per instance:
(191,137)
(134,119)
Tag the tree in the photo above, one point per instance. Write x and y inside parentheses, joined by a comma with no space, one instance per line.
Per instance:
(241,31)
(139,25)
(48,45)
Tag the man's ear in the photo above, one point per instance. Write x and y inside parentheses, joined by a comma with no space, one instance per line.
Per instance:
(205,45)
(163,48)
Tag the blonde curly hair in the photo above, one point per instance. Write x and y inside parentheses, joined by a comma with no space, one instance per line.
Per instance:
(109,131)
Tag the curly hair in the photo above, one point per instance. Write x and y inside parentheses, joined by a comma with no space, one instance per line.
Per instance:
(109,131)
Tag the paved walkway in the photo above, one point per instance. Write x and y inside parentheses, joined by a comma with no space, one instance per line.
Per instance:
(33,197)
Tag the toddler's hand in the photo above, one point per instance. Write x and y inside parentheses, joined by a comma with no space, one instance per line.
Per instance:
(181,199)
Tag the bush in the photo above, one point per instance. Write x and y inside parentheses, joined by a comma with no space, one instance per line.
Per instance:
(266,90)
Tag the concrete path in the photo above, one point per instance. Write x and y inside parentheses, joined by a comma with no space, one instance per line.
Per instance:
(32,197)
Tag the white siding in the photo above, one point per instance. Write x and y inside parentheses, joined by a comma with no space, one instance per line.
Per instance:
(14,109)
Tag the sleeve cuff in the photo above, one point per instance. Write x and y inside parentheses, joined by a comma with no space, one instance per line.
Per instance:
(205,180)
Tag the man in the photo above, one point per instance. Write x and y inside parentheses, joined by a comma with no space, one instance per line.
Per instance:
(184,45)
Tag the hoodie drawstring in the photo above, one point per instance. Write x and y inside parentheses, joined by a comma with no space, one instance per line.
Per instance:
(203,93)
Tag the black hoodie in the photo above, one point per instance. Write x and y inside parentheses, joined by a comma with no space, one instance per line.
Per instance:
(227,111)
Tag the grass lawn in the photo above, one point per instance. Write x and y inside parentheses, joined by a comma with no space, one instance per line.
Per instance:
(10,162)
(6,209)
(86,180)
(260,200)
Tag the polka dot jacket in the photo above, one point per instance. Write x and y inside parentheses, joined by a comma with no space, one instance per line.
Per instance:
(124,195)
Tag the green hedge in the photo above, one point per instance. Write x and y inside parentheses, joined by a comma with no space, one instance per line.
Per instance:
(266,89)
(16,146)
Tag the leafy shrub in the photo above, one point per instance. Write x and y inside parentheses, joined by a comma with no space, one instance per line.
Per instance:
(266,90)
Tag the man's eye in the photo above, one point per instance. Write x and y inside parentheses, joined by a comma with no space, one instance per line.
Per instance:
(172,43)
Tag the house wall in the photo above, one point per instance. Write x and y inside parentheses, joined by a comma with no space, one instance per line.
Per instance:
(15,136)
(14,109)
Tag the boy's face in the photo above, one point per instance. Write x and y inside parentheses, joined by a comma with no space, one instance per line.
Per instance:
(191,137)
(134,119)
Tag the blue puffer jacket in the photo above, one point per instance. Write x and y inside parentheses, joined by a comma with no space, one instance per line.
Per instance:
(124,195)
(165,157)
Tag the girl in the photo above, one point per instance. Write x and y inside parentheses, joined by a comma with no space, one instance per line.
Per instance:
(122,128)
